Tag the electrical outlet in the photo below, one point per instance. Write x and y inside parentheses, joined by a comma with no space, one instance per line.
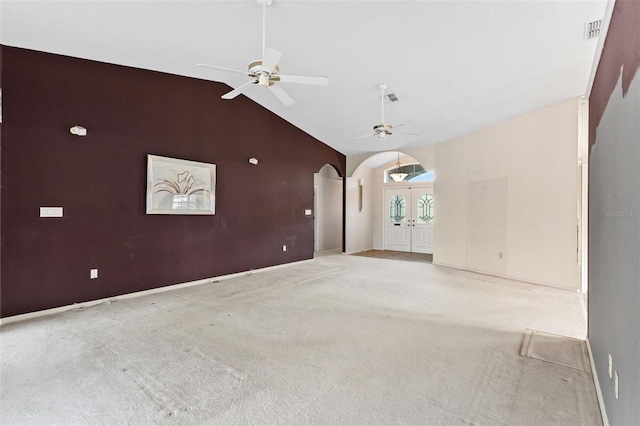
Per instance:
(284,248)
(610,366)
(93,274)
(51,212)
(616,385)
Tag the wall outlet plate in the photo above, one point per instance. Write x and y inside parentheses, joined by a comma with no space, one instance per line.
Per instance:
(284,248)
(50,211)
(93,274)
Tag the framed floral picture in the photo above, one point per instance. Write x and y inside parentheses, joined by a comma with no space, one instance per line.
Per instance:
(180,186)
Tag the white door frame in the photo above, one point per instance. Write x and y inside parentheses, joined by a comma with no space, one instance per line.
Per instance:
(583,194)
(384,203)
(315,218)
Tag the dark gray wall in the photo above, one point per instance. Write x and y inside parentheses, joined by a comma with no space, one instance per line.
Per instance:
(614,215)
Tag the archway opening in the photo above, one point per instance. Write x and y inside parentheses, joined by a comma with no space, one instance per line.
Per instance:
(409,172)
(328,208)
(369,219)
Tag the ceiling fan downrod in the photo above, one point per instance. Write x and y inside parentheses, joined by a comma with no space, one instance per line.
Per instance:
(264,4)
(383,87)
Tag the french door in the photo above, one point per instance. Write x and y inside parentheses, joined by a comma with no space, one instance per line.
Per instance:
(408,219)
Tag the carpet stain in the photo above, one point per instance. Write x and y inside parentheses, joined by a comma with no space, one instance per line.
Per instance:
(555,349)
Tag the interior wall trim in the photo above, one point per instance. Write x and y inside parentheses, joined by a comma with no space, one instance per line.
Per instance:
(358,251)
(596,382)
(90,303)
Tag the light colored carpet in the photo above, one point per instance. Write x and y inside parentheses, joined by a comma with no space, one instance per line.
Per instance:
(342,340)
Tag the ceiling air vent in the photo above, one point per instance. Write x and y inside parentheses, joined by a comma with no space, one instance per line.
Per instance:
(592,29)
(391,97)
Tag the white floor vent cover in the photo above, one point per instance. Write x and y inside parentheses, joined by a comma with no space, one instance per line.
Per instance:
(555,349)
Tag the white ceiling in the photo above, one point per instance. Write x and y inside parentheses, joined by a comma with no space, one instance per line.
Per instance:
(456,66)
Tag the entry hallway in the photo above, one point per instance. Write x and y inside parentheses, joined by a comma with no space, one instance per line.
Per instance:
(340,340)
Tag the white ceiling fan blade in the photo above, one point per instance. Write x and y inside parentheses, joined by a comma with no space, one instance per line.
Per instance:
(362,137)
(270,60)
(235,92)
(398,125)
(412,134)
(222,69)
(304,79)
(284,97)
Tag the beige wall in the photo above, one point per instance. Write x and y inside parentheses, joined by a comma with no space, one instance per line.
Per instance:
(359,222)
(511,189)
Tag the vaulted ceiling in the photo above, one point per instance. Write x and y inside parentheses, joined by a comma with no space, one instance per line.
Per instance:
(455,66)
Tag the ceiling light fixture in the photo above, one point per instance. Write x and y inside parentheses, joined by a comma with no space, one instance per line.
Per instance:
(397,176)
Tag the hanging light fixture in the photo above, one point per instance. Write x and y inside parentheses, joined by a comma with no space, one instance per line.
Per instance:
(397,176)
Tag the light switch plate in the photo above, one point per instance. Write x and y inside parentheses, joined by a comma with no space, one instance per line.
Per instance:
(93,274)
(50,211)
(307,212)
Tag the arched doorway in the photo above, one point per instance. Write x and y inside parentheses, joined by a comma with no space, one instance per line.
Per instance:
(327,206)
(397,215)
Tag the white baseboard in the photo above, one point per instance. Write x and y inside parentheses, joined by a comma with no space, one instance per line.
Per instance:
(596,382)
(357,251)
(82,305)
(327,252)
(506,277)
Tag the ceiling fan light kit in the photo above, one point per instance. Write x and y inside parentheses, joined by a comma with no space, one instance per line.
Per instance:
(384,129)
(266,73)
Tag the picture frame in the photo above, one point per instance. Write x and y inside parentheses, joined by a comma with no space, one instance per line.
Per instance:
(181,187)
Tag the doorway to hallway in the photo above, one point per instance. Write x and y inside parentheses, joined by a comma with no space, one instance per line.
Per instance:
(408,219)
(327,209)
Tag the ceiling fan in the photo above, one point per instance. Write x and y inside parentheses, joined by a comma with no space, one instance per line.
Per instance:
(266,73)
(383,129)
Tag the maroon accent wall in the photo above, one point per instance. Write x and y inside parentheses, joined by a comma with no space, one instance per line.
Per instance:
(100,181)
(620,55)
